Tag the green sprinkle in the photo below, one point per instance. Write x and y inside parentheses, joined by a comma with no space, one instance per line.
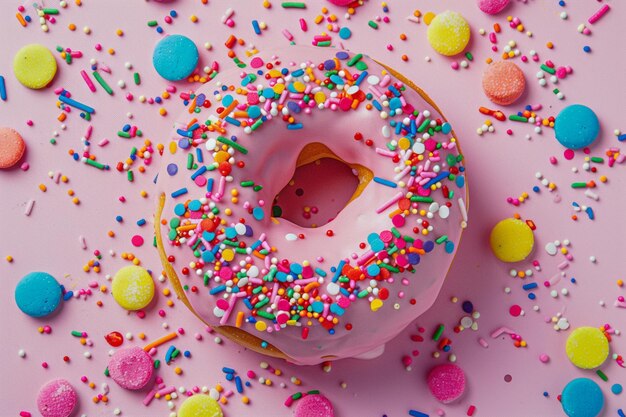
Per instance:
(420,199)
(516,118)
(189,161)
(152,23)
(265,315)
(137,78)
(293,5)
(579,185)
(296,396)
(395,232)
(323,43)
(102,83)
(53,141)
(438,333)
(423,126)
(93,163)
(363,294)
(441,239)
(76,333)
(256,124)
(389,267)
(130,176)
(157,363)
(354,59)
(50,11)
(597,159)
(232,144)
(372,24)
(262,302)
(602,375)
(257,187)
(548,69)
(469,56)
(123,134)
(106,372)
(246,183)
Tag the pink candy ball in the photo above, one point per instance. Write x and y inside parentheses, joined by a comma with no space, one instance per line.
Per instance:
(131,368)
(446,382)
(314,405)
(492,6)
(341,2)
(57,398)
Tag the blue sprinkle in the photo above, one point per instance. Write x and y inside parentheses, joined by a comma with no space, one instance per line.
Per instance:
(228,370)
(449,246)
(532,296)
(141,222)
(587,48)
(385,182)
(294,126)
(217,290)
(238,384)
(187,354)
(530,286)
(119,219)
(180,192)
(256,27)
(339,268)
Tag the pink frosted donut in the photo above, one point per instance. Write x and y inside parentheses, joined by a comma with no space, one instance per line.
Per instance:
(381,231)
(131,368)
(446,382)
(492,6)
(314,405)
(503,82)
(57,398)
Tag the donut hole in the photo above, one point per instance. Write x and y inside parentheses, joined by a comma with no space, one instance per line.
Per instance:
(316,193)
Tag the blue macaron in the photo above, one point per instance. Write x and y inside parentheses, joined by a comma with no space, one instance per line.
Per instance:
(582,397)
(576,126)
(38,294)
(175,57)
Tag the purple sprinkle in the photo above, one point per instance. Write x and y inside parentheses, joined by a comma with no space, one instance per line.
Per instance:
(172,169)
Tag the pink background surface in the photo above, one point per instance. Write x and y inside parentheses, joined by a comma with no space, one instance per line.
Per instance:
(499,166)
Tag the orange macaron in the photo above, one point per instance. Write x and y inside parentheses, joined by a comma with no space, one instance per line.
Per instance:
(503,82)
(12,147)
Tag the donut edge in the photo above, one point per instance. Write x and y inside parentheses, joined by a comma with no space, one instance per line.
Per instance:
(242,337)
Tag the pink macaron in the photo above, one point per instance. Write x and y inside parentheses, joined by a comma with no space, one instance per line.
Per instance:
(446,382)
(314,405)
(57,398)
(503,82)
(131,368)
(12,147)
(492,6)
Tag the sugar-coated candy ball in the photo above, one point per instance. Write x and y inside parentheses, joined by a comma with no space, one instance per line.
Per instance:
(132,287)
(314,405)
(34,66)
(57,398)
(587,347)
(576,126)
(38,294)
(446,382)
(492,6)
(582,397)
(12,147)
(175,57)
(512,240)
(131,368)
(503,82)
(200,405)
(448,33)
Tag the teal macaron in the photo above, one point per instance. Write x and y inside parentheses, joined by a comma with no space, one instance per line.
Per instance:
(38,294)
(576,126)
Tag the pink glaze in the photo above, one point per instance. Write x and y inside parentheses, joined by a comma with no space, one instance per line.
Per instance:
(446,382)
(274,151)
(315,405)
(341,2)
(131,368)
(57,398)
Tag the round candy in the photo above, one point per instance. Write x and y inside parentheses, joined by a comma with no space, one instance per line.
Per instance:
(175,57)
(341,2)
(12,147)
(57,398)
(34,66)
(131,368)
(132,287)
(38,294)
(582,397)
(503,82)
(200,405)
(314,405)
(492,6)
(576,126)
(446,382)
(448,33)
(512,240)
(587,347)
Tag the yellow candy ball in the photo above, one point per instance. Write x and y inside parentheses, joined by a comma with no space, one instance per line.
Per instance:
(200,405)
(512,240)
(587,347)
(448,33)
(132,287)
(34,66)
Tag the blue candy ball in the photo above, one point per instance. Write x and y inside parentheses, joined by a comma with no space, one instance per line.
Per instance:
(175,57)
(582,397)
(38,294)
(576,126)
